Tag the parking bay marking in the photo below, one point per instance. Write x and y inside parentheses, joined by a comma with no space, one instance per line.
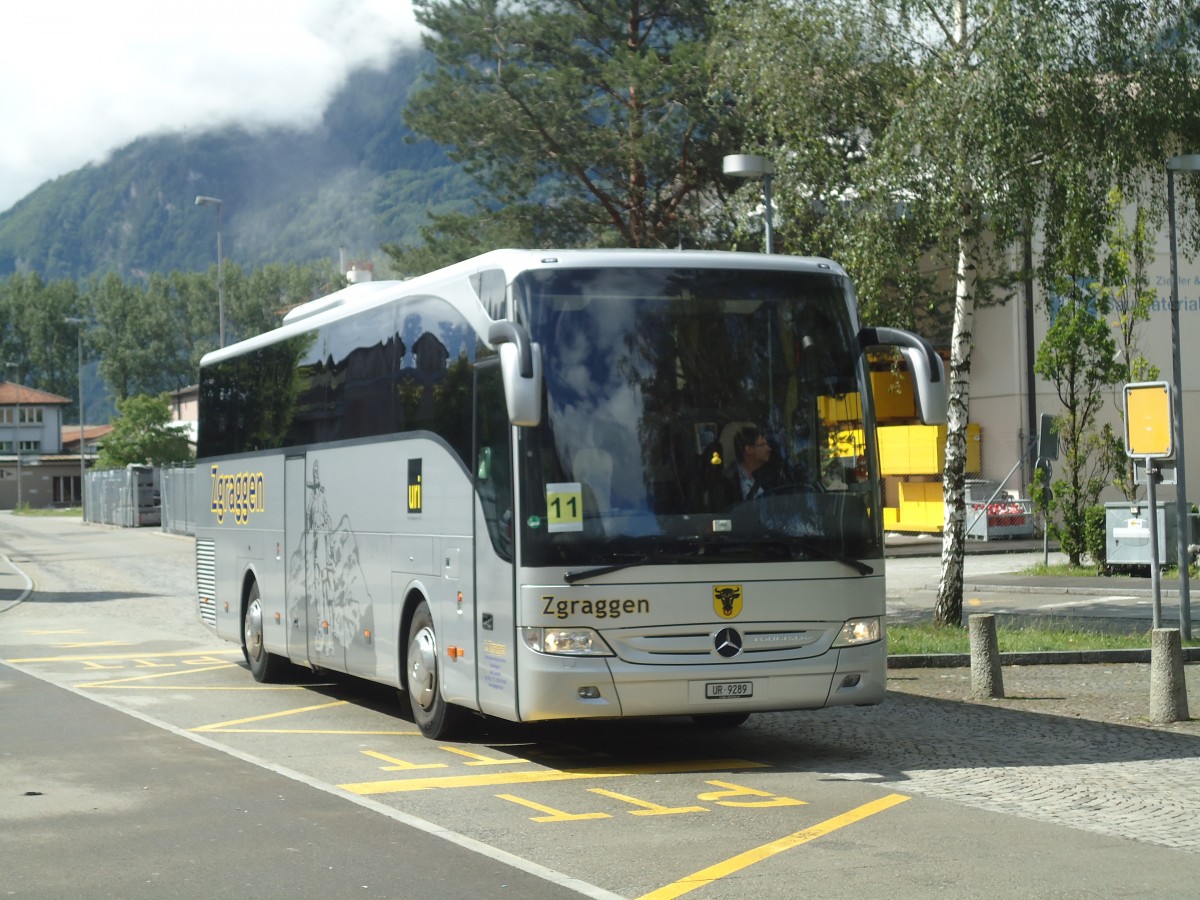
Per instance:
(493,779)
(720,798)
(758,854)
(93,657)
(231,726)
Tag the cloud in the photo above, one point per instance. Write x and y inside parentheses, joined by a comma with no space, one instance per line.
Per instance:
(80,78)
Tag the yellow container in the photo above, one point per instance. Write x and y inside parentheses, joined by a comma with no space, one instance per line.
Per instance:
(893,394)
(921,449)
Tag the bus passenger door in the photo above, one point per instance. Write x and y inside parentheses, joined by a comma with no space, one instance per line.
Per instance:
(495,606)
(296,556)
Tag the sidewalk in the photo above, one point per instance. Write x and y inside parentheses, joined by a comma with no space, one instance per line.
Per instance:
(14,584)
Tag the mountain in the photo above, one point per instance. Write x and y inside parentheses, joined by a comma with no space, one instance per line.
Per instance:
(358,179)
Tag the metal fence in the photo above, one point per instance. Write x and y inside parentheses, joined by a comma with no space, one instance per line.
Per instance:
(139,496)
(177,514)
(127,497)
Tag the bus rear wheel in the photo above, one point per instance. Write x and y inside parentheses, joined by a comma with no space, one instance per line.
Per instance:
(264,666)
(436,718)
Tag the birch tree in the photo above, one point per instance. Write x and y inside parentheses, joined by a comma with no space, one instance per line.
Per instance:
(1011,112)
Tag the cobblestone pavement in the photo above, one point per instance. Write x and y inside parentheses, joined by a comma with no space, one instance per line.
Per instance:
(1067,744)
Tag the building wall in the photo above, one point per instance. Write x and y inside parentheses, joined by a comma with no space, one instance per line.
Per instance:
(998,379)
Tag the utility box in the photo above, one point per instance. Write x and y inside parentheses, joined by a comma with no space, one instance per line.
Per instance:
(1127,530)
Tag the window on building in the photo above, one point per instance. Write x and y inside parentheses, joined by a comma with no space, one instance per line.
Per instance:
(66,490)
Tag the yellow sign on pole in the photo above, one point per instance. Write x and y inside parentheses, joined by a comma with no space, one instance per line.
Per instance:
(1148,420)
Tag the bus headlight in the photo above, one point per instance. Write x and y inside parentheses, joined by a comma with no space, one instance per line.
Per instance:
(565,641)
(859,631)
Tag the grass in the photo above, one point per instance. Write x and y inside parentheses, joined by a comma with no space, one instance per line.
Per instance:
(63,512)
(1063,570)
(924,637)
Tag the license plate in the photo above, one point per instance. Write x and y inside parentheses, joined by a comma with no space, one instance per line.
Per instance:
(722,690)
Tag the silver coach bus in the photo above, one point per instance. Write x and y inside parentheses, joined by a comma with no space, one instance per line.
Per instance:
(521,486)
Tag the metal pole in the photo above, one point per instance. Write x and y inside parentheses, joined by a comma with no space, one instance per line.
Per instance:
(82,467)
(1182,508)
(767,198)
(220,280)
(1155,579)
(218,203)
(18,435)
(17,428)
(79,323)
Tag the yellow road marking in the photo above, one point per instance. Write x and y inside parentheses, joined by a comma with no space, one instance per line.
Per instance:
(113,682)
(217,726)
(275,688)
(647,808)
(211,729)
(55,631)
(199,654)
(480,760)
(400,765)
(758,854)
(552,814)
(397,786)
(737,790)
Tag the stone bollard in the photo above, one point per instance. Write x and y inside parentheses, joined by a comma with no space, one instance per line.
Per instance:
(1168,688)
(986,680)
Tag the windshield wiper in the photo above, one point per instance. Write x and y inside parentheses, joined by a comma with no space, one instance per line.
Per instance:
(783,545)
(786,545)
(693,555)
(825,553)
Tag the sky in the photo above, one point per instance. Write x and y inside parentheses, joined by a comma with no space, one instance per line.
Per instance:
(81,78)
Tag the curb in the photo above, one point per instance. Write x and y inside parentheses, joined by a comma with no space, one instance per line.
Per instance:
(1096,591)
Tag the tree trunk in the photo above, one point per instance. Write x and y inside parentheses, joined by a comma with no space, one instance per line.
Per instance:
(948,608)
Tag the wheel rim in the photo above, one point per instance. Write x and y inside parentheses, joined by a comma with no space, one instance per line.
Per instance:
(422,668)
(254,629)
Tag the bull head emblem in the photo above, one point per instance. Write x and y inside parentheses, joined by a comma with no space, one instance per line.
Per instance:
(727,600)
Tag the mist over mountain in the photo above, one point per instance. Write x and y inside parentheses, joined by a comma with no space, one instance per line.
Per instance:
(359,179)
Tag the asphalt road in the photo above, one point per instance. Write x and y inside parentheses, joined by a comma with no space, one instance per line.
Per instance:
(139,759)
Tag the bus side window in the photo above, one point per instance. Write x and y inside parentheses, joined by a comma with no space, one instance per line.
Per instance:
(493,460)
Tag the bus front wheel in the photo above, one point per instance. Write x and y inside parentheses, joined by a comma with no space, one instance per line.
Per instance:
(264,666)
(436,718)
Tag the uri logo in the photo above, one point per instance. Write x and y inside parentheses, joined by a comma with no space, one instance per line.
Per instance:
(414,485)
(727,600)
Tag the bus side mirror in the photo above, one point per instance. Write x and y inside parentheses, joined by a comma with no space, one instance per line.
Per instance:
(924,365)
(521,369)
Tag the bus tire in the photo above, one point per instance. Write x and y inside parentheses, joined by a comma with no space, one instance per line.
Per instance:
(264,666)
(436,718)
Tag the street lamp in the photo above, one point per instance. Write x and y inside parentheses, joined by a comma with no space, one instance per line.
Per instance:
(213,201)
(748,165)
(17,430)
(79,323)
(1190,163)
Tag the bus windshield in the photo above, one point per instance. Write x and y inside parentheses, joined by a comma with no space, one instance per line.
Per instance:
(695,415)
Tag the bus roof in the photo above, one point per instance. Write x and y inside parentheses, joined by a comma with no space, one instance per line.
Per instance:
(511,263)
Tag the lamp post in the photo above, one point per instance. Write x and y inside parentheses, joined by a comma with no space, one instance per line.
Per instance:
(213,201)
(17,429)
(79,323)
(749,165)
(1190,163)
